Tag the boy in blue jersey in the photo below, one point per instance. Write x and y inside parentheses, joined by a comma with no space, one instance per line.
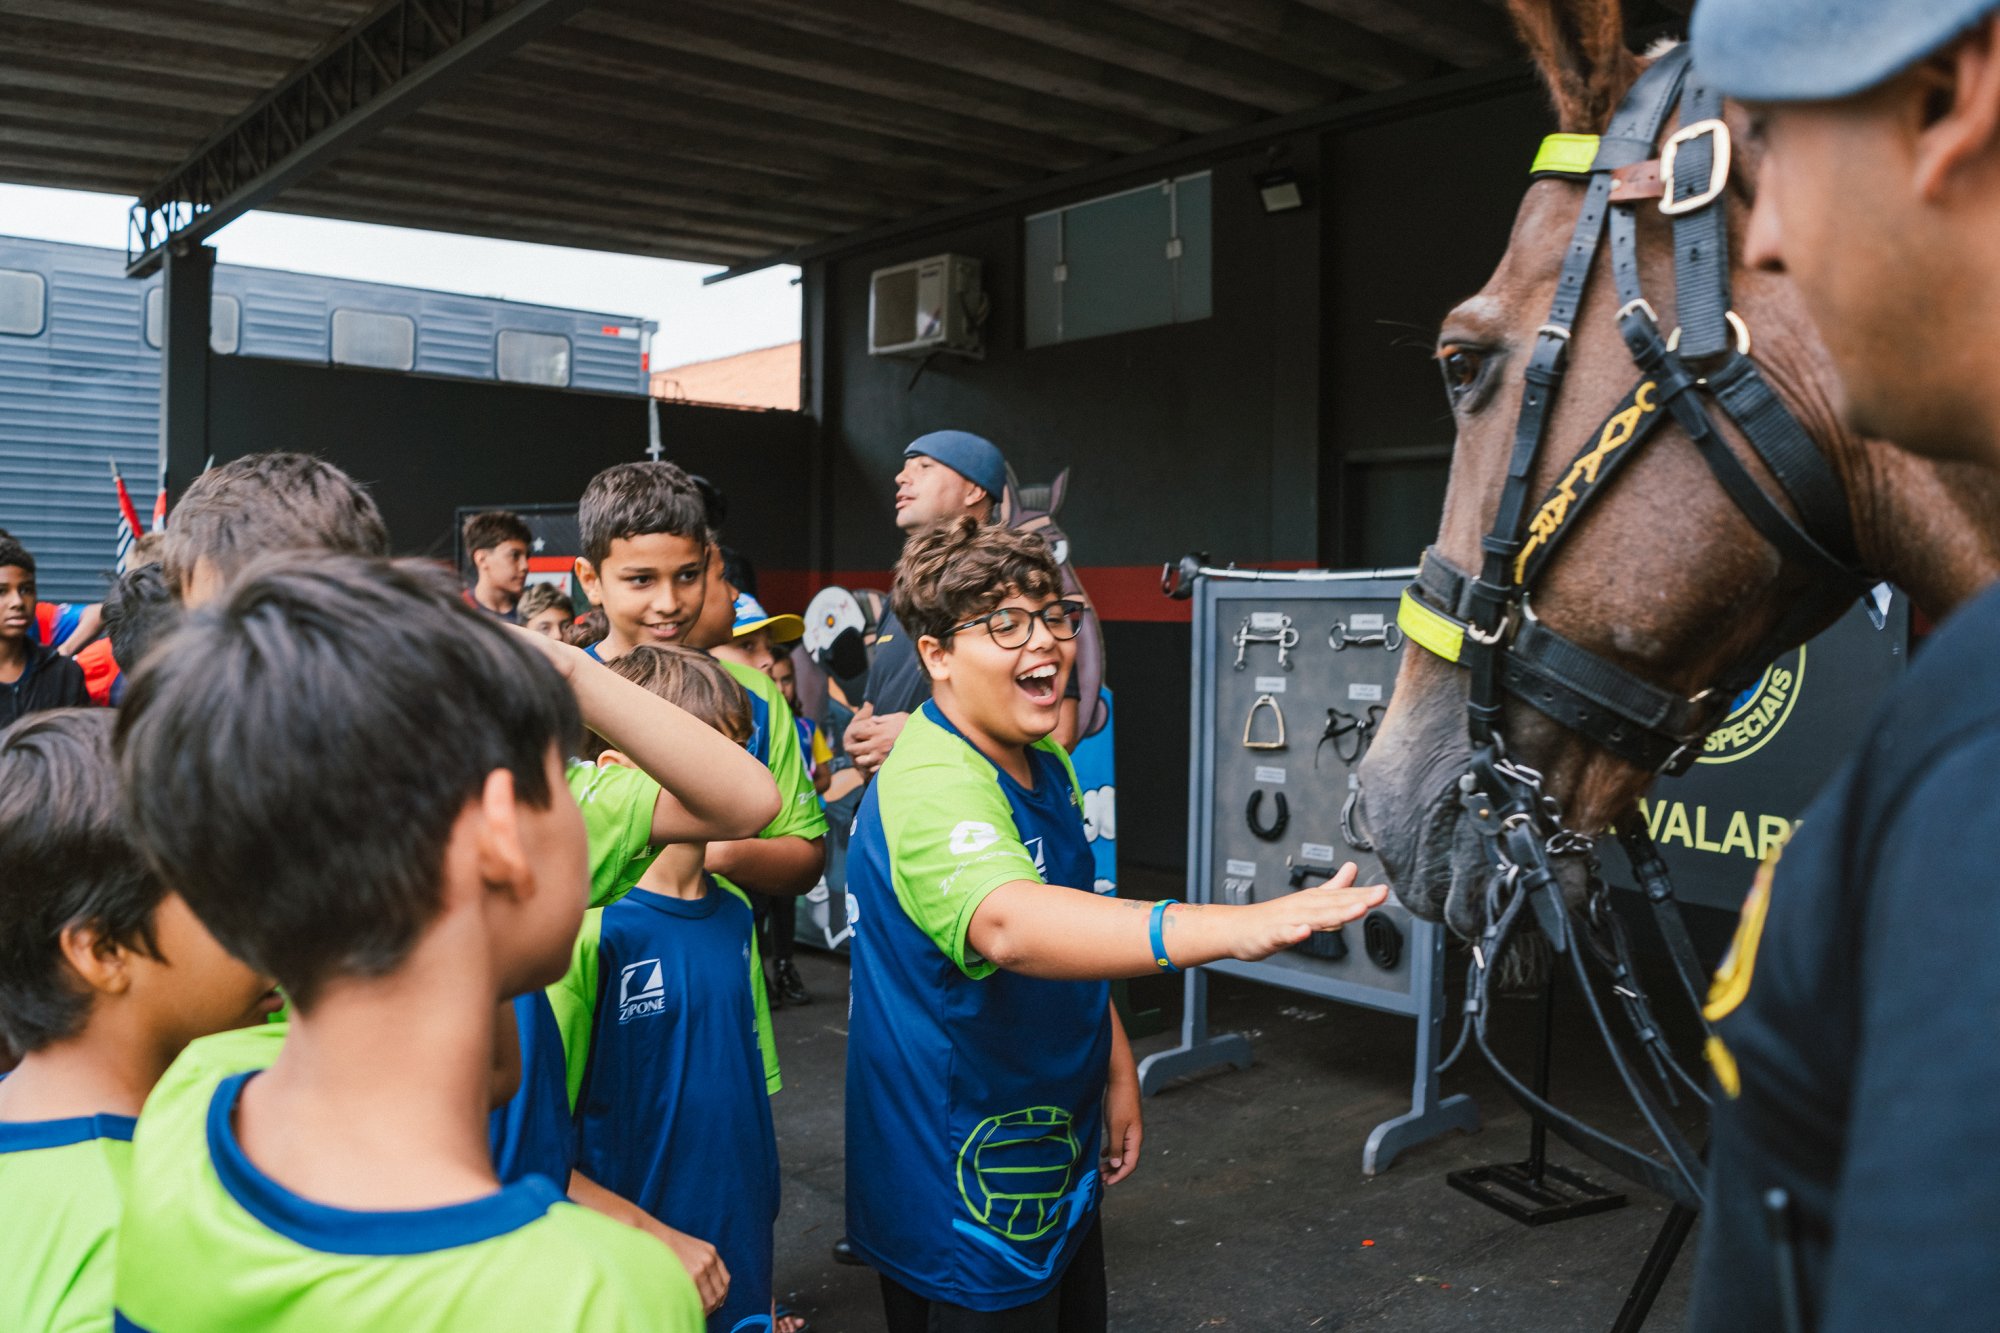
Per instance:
(342,1180)
(667,1040)
(990,1089)
(104,977)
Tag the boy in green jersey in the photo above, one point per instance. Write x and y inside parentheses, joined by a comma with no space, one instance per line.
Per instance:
(650,561)
(104,976)
(399,894)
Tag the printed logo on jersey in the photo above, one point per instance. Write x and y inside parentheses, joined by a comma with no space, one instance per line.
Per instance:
(1034,846)
(973,836)
(642,992)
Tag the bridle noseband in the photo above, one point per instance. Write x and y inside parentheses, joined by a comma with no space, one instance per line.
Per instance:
(1486,624)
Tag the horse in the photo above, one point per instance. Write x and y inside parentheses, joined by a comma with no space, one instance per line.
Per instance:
(1664,577)
(1034,509)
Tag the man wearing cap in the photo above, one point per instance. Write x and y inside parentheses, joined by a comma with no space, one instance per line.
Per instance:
(1855,1164)
(946,475)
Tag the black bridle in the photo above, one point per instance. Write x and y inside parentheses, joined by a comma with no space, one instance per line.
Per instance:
(1486,624)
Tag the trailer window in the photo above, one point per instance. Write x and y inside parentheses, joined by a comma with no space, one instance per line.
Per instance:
(534,358)
(24,301)
(370,338)
(225,322)
(1134,260)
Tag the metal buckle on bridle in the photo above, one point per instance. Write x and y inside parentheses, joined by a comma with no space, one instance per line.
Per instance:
(1718,166)
(1736,325)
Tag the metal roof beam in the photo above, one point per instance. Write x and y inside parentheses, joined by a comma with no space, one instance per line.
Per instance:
(380,70)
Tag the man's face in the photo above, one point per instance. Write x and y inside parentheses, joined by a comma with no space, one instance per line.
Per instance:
(1839,210)
(929,493)
(17,603)
(503,568)
(650,587)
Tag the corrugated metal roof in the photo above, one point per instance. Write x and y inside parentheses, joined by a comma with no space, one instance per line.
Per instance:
(716,130)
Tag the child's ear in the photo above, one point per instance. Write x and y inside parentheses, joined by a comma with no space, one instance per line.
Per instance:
(500,857)
(615,759)
(99,961)
(586,578)
(935,657)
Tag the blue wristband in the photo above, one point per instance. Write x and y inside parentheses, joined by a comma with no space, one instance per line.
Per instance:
(1166,964)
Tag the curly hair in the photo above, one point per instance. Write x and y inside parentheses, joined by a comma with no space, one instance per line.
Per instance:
(965,568)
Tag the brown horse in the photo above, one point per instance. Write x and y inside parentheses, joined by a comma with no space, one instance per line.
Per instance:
(1665,577)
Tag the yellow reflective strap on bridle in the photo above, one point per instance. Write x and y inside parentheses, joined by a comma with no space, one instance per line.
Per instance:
(1565,155)
(1431,630)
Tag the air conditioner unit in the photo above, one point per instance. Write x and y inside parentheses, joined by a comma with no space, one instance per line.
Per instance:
(928,305)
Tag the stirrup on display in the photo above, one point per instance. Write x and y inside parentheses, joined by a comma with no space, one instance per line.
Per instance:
(1250,721)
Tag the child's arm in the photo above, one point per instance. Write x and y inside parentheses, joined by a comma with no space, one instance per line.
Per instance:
(711,788)
(1124,1123)
(1045,930)
(783,867)
(703,1263)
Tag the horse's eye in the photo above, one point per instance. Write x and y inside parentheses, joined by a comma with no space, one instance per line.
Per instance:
(1464,368)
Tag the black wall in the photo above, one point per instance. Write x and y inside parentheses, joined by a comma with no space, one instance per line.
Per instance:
(427,445)
(1303,421)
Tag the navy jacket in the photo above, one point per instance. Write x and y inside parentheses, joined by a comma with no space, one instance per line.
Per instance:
(50,680)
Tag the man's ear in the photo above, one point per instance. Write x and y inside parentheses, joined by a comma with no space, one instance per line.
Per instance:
(100,962)
(935,657)
(498,854)
(1961,89)
(615,759)
(586,578)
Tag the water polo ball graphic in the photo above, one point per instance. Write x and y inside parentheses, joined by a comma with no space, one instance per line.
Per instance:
(1015,1170)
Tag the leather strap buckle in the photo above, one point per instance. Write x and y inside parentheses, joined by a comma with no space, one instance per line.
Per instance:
(1718,167)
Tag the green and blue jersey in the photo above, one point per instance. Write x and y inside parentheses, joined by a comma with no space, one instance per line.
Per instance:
(668,1076)
(974,1096)
(210,1242)
(62,1187)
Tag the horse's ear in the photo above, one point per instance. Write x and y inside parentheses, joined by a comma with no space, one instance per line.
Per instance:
(1057,489)
(1008,503)
(1579,47)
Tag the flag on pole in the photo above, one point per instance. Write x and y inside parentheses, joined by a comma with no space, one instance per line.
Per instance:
(128,519)
(160,510)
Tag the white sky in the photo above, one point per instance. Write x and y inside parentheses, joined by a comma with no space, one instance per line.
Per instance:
(696,322)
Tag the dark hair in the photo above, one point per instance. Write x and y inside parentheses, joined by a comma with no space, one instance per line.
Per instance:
(690,678)
(965,568)
(590,629)
(539,597)
(635,499)
(65,859)
(139,609)
(13,553)
(737,571)
(714,504)
(263,503)
(276,766)
(485,531)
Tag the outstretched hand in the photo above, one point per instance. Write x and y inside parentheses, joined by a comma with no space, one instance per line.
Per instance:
(1283,922)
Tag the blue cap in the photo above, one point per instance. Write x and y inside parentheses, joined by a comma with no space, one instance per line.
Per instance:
(1819,50)
(973,457)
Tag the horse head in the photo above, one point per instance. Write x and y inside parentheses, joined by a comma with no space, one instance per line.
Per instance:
(1034,509)
(1664,575)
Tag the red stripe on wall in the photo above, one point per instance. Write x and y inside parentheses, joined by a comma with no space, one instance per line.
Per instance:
(550,564)
(1129,593)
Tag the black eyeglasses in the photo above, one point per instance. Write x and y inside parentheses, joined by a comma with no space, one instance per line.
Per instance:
(1012,627)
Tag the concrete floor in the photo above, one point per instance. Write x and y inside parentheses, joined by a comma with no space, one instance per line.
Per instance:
(1249,1210)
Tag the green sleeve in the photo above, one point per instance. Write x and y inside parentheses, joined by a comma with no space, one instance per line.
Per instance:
(574,1000)
(800,815)
(951,841)
(767,1042)
(617,805)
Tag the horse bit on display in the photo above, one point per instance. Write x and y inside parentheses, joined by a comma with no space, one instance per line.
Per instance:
(1485,623)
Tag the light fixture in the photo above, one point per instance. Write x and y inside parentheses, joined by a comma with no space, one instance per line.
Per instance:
(1280,190)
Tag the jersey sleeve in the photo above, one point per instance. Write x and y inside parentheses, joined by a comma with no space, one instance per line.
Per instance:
(1914,1219)
(617,805)
(574,1000)
(800,814)
(760,1001)
(951,840)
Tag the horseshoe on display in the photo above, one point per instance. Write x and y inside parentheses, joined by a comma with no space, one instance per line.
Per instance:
(1276,829)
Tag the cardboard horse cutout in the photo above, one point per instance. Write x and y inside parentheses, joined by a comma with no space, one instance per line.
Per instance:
(1034,509)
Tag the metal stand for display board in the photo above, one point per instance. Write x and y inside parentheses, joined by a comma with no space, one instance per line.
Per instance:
(1418,990)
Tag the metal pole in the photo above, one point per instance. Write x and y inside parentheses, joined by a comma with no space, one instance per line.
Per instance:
(186,286)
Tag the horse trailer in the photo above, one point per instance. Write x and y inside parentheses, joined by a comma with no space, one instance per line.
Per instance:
(80,373)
